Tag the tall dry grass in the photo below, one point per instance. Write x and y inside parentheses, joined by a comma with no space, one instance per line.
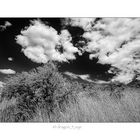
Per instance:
(43,95)
(96,108)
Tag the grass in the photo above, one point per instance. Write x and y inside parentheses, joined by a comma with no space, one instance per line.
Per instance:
(105,108)
(93,106)
(40,97)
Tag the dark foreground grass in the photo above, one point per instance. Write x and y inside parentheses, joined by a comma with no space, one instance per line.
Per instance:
(43,95)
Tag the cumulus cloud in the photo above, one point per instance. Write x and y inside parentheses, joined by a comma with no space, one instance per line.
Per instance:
(7,71)
(116,41)
(42,43)
(68,49)
(6,24)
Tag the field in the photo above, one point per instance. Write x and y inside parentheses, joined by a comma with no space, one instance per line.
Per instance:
(44,95)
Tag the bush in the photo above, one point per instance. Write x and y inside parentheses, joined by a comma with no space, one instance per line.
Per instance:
(39,88)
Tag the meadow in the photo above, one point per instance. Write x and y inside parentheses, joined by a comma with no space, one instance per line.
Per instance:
(44,95)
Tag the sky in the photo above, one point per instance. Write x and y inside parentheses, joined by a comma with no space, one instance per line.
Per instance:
(98,50)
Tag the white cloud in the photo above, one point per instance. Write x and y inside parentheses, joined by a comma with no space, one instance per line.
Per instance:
(85,77)
(42,43)
(85,23)
(6,24)
(69,49)
(102,82)
(71,74)
(7,71)
(116,41)
(10,58)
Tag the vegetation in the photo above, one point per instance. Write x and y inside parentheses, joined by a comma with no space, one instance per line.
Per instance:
(44,95)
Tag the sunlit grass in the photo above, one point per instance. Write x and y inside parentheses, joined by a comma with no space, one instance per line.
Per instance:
(28,98)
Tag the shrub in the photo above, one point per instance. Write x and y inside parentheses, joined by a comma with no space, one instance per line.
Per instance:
(43,87)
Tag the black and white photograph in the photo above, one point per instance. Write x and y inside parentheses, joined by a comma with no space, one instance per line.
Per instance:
(70,69)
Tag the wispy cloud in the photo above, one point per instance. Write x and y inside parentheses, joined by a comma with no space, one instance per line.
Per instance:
(85,77)
(6,24)
(42,43)
(7,71)
(71,74)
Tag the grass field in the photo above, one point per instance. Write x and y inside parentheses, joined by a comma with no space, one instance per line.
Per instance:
(87,106)
(27,99)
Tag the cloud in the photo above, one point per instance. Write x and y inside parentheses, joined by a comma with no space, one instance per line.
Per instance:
(7,71)
(10,58)
(85,23)
(71,74)
(101,82)
(85,77)
(42,43)
(116,41)
(6,24)
(68,48)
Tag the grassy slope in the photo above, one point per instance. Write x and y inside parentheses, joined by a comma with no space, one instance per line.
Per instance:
(99,106)
(92,105)
(87,103)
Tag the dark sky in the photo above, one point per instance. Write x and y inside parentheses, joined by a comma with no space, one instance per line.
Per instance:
(9,48)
